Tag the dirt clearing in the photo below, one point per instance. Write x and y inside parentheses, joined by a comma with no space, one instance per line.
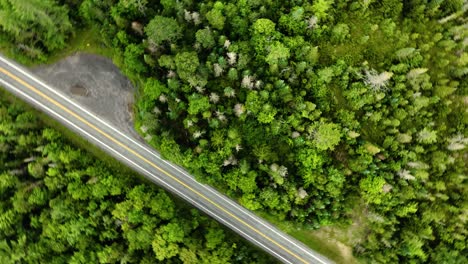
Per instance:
(95,82)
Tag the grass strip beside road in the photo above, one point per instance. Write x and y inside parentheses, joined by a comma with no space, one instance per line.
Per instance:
(332,248)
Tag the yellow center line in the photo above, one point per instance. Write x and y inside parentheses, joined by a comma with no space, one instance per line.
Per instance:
(9,74)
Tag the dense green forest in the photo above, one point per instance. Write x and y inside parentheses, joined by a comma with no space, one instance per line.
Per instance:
(58,204)
(302,109)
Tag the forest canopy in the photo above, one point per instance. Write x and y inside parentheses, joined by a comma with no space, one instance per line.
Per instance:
(58,204)
(304,109)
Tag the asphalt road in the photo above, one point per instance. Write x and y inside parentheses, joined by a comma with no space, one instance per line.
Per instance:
(149,163)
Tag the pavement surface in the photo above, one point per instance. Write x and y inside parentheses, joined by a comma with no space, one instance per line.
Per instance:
(149,163)
(96,83)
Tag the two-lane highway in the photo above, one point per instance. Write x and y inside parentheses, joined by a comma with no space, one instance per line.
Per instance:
(149,163)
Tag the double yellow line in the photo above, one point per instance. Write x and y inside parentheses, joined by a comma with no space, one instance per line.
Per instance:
(54,102)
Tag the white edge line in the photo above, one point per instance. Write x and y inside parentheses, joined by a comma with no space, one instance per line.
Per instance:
(207,187)
(142,169)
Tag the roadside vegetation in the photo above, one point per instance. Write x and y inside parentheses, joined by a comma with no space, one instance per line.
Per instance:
(59,204)
(307,111)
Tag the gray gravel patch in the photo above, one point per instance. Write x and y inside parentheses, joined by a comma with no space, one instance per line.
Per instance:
(95,82)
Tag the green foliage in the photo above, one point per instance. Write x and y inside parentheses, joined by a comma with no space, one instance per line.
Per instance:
(347,97)
(298,108)
(294,23)
(327,136)
(132,59)
(321,7)
(205,38)
(186,64)
(215,16)
(372,189)
(263,26)
(93,11)
(36,27)
(198,104)
(163,29)
(60,204)
(277,52)
(340,32)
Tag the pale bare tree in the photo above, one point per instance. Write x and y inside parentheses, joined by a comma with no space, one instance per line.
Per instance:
(377,81)
(214,98)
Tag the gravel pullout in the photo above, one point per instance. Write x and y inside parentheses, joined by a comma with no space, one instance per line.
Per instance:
(95,82)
